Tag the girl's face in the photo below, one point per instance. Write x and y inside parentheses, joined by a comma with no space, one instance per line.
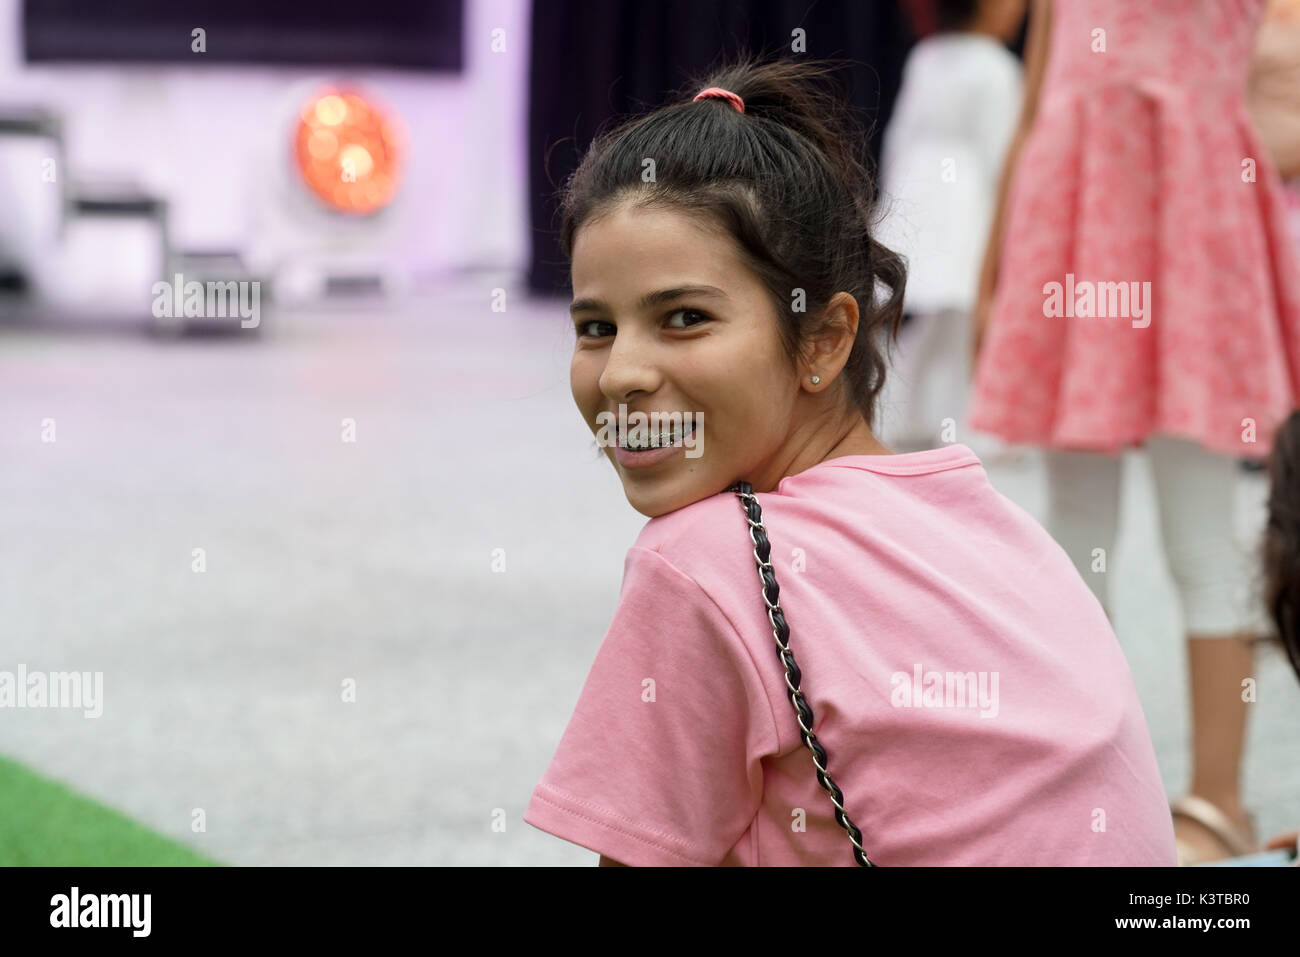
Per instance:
(668,319)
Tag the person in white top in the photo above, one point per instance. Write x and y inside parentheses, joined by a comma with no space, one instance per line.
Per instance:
(942,155)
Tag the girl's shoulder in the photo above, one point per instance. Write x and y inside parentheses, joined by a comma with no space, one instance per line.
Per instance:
(696,537)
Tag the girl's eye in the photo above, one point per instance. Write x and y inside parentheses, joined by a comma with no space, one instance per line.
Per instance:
(582,329)
(689,312)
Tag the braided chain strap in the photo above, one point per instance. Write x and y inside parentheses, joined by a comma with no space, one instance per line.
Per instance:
(781,631)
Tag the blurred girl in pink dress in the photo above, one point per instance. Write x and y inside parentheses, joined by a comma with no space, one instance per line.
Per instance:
(1140,289)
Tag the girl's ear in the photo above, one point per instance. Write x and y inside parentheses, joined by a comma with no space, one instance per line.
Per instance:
(828,348)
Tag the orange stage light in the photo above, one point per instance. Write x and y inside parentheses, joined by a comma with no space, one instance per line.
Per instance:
(345,149)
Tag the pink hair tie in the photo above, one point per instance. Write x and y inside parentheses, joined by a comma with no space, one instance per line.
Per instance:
(721,94)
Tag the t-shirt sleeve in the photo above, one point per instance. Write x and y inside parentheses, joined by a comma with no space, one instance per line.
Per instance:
(661,762)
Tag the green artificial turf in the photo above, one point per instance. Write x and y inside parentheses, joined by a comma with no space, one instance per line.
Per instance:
(43,823)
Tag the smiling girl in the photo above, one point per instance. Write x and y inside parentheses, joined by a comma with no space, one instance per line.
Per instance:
(724,274)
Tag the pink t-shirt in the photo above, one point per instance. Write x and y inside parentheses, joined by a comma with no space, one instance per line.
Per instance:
(972,699)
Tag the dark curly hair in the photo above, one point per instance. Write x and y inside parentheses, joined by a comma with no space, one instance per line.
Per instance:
(788,179)
(1281,543)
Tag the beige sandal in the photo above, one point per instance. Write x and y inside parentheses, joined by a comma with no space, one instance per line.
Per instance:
(1207,814)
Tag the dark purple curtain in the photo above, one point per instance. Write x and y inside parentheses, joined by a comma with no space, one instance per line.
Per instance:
(403,34)
(593,59)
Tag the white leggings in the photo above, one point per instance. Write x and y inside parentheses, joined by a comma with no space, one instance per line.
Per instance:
(1195,490)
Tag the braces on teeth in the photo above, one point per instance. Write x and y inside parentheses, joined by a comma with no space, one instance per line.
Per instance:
(636,441)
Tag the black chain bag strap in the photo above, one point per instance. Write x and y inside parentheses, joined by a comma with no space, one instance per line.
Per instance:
(781,631)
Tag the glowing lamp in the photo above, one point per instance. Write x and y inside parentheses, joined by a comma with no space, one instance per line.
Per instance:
(345,151)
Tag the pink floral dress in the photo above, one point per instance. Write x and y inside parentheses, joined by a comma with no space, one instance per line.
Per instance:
(1147,282)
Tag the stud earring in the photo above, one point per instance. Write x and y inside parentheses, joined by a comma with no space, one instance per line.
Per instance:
(816,379)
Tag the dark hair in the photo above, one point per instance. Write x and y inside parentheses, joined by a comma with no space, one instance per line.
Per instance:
(785,179)
(1281,544)
(955,14)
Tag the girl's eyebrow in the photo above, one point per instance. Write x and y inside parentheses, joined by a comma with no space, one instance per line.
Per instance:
(650,299)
